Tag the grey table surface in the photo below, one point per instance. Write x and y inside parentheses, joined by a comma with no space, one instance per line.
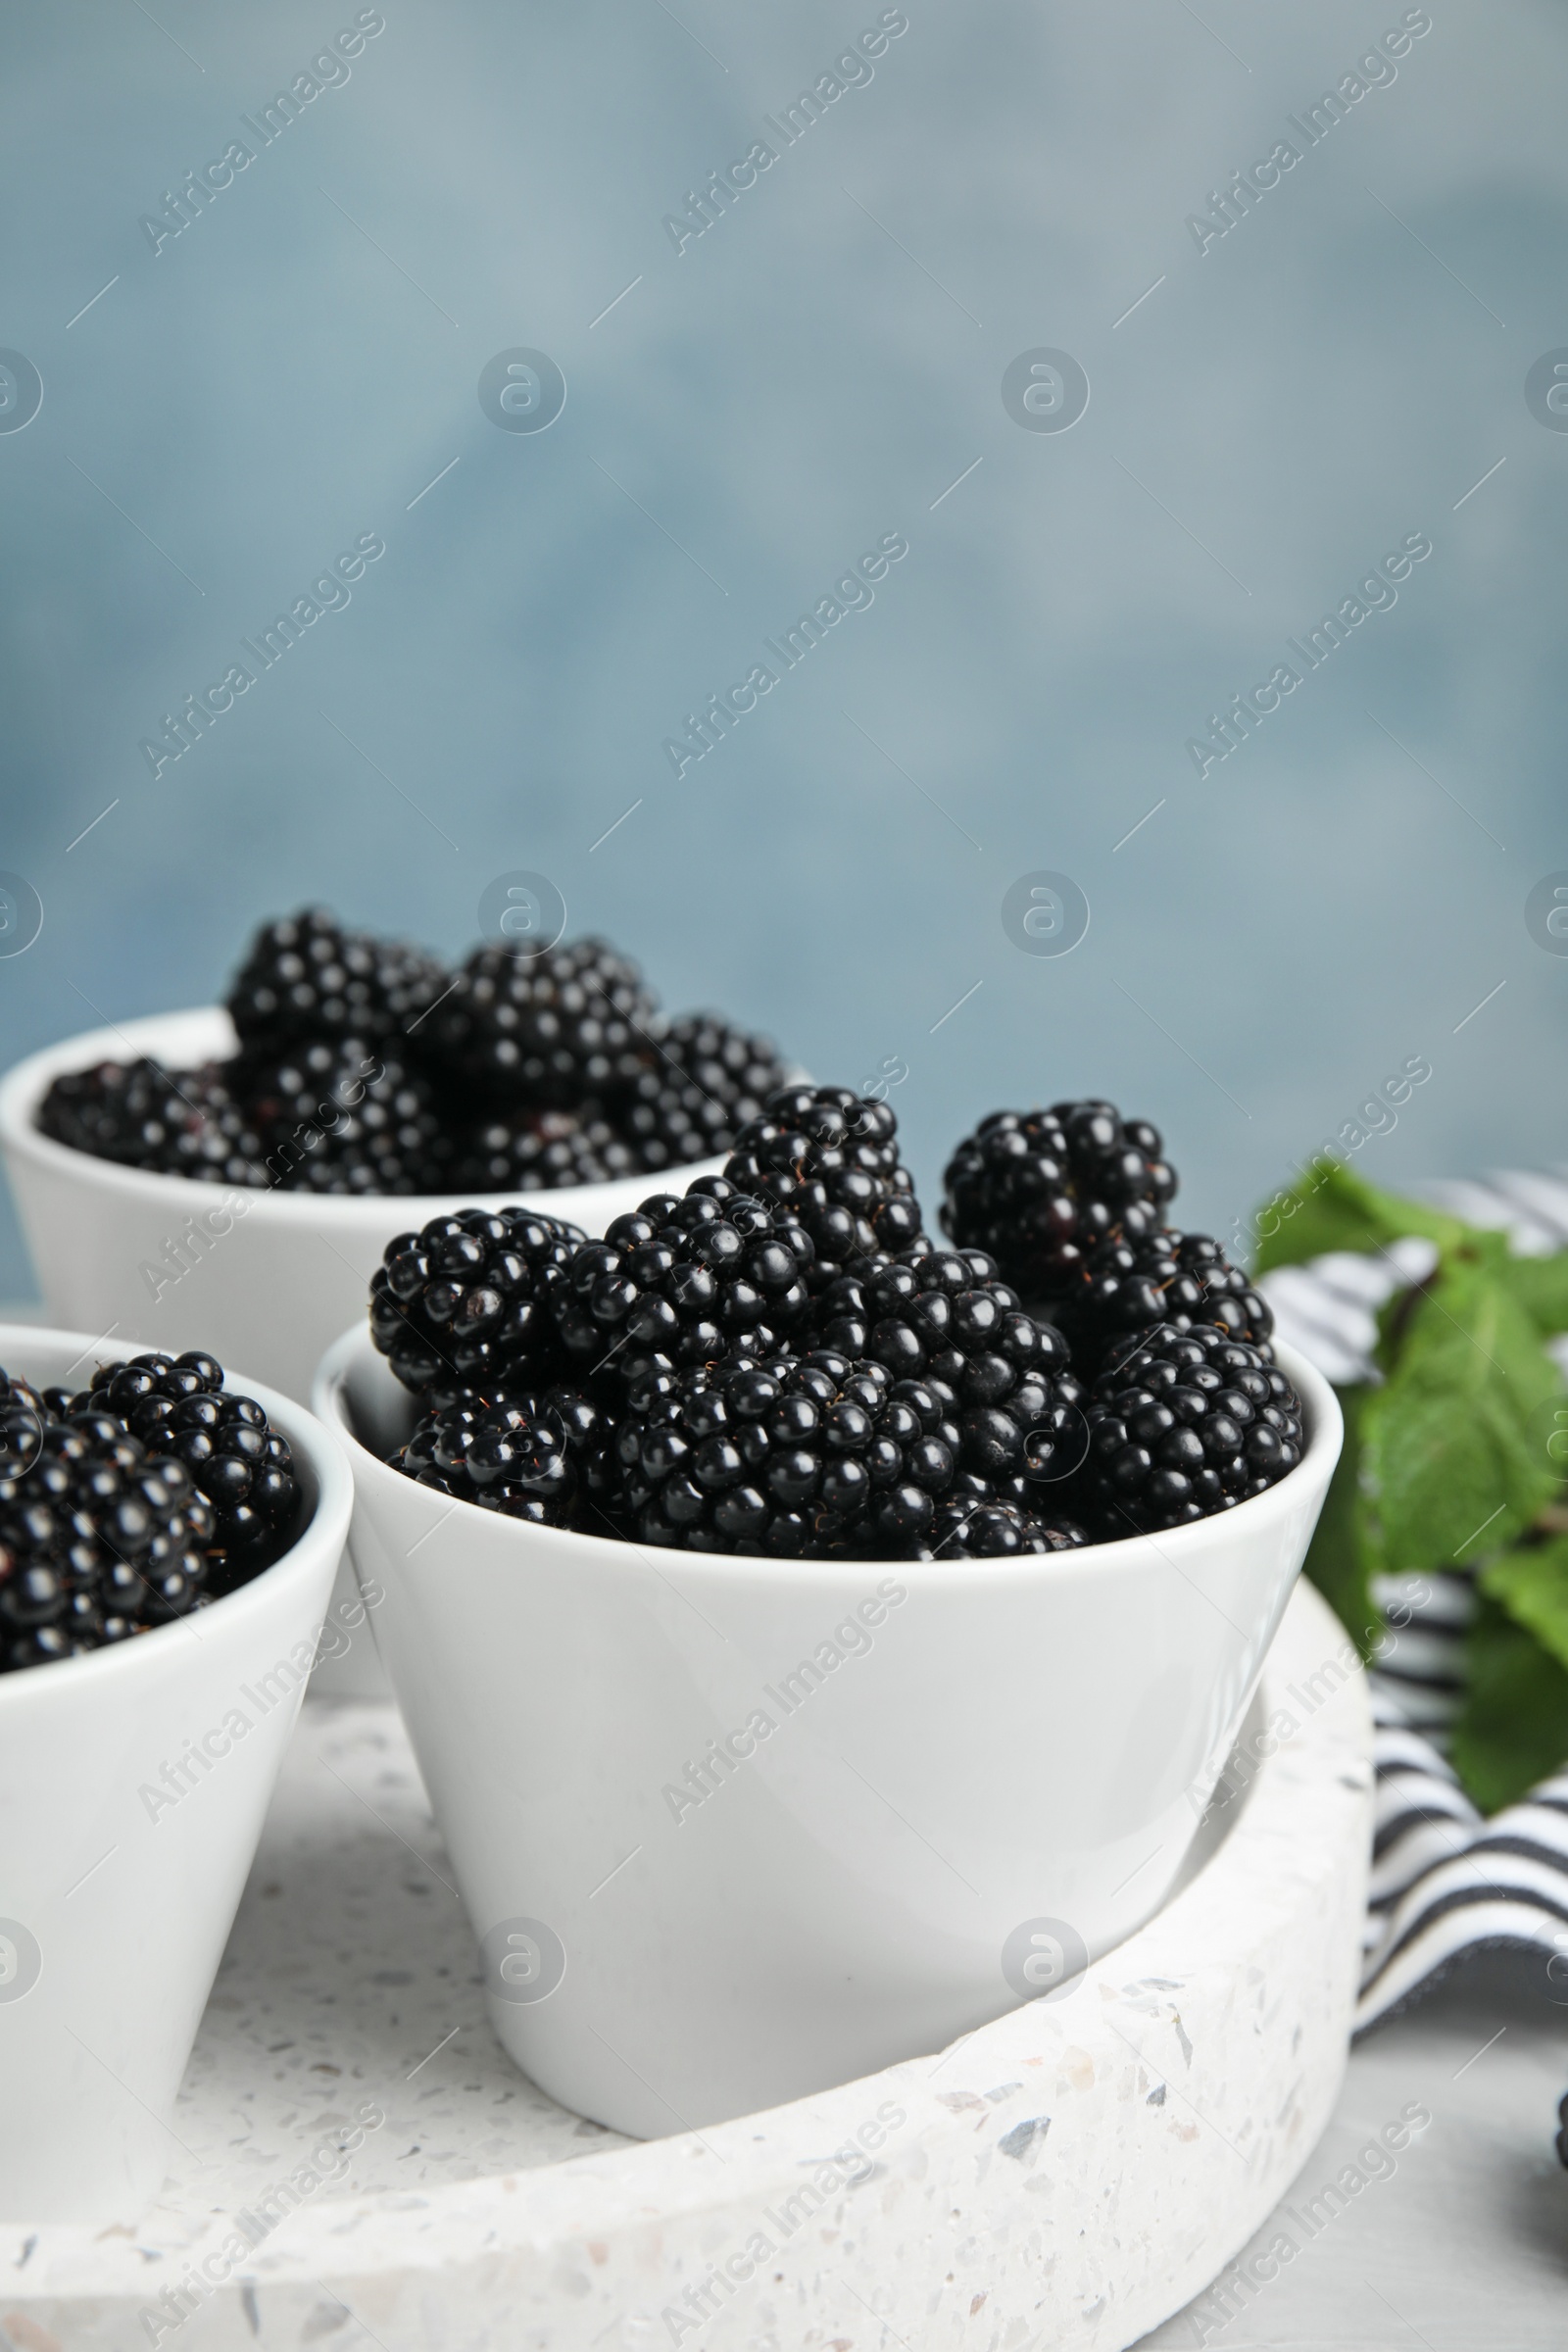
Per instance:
(1463,2243)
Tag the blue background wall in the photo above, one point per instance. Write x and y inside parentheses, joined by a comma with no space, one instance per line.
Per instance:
(1332,374)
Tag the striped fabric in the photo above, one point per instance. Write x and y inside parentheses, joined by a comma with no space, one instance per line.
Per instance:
(1444,1880)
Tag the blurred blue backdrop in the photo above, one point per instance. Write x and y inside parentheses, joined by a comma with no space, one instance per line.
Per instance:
(1272,410)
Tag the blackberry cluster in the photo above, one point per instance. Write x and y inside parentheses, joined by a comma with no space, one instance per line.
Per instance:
(703,1378)
(178,1406)
(539,1151)
(364,1066)
(997,1531)
(468,1301)
(942,1317)
(1039,1190)
(787,1457)
(557,1028)
(107,1530)
(307,980)
(689,1281)
(1128,1285)
(180,1123)
(707,1081)
(831,1159)
(512,1456)
(345,1116)
(1190,1423)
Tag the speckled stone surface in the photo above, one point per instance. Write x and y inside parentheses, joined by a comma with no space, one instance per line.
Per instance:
(1068,2176)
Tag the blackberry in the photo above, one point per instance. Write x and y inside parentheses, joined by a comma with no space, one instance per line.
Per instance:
(706,1082)
(1039,1189)
(831,1159)
(552,1029)
(510,1456)
(305,978)
(990,1531)
(177,1407)
(689,1280)
(942,1317)
(174,1122)
(1190,1423)
(467,1299)
(347,1115)
(1178,1279)
(539,1151)
(23,1414)
(783,1458)
(97,1542)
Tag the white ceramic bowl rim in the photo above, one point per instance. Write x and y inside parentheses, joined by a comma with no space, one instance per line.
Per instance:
(308,1439)
(206,1034)
(1177,1545)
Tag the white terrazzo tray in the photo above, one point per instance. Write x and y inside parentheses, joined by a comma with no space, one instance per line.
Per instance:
(1068,2176)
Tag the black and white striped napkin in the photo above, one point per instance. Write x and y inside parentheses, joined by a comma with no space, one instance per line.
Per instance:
(1444,1880)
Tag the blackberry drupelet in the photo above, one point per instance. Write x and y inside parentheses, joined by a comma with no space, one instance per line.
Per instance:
(307,978)
(701,1086)
(990,1531)
(348,1116)
(554,1029)
(787,1458)
(942,1317)
(831,1159)
(1126,1285)
(690,1280)
(177,1406)
(466,1301)
(1039,1189)
(174,1122)
(539,1151)
(512,1456)
(1190,1424)
(23,1414)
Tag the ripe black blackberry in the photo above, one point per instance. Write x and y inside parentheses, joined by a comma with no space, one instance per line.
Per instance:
(305,978)
(467,1299)
(540,1150)
(511,1455)
(347,1115)
(97,1542)
(1128,1285)
(964,1530)
(831,1159)
(784,1458)
(174,1122)
(942,1317)
(704,1083)
(552,1029)
(177,1407)
(689,1280)
(1190,1423)
(23,1414)
(1039,1189)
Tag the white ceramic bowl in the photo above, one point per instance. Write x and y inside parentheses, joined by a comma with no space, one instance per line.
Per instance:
(275,1286)
(942,1787)
(134,1784)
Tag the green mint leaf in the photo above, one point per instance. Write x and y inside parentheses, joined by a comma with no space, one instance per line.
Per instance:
(1332,1209)
(1336,1560)
(1531,1586)
(1540,1287)
(1514,1728)
(1453,1468)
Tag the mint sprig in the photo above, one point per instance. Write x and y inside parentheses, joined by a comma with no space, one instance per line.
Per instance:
(1455,1458)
